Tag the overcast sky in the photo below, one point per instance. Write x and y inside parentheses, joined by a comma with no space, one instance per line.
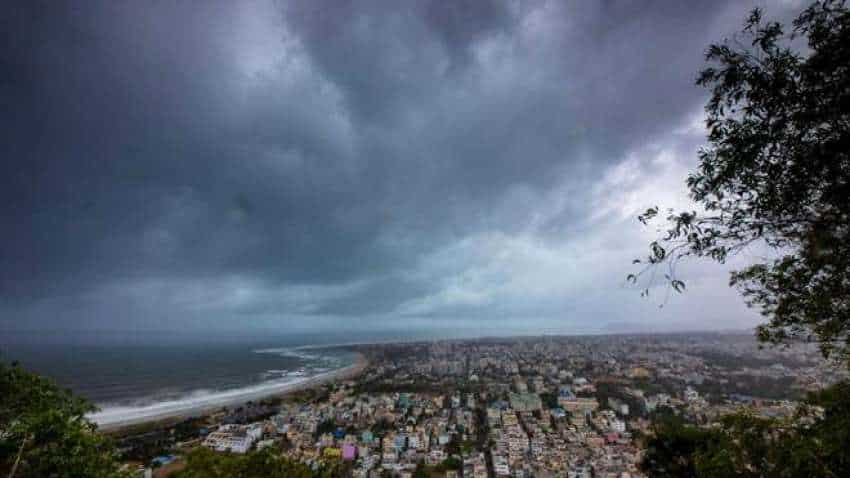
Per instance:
(340,164)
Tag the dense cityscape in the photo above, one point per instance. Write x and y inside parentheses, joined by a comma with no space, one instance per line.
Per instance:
(576,407)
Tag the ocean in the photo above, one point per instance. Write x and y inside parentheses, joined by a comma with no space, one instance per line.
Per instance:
(130,380)
(134,376)
(111,375)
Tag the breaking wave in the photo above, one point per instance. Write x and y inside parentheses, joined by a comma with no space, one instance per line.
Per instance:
(289,352)
(202,400)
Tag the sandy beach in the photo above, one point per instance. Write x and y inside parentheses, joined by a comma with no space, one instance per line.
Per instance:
(112,419)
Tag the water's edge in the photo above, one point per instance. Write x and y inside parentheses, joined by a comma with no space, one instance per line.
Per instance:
(121,416)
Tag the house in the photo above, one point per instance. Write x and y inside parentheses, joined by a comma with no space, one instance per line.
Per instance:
(349,452)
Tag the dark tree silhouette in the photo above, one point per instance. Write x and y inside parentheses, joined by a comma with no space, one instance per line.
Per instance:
(776,171)
(44,431)
(813,443)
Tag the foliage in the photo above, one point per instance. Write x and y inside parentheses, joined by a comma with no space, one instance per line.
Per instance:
(325,426)
(781,388)
(450,463)
(422,470)
(204,463)
(671,450)
(453,446)
(813,443)
(606,391)
(549,399)
(380,426)
(44,430)
(776,172)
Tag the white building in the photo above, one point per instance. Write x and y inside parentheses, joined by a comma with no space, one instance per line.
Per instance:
(618,426)
(234,438)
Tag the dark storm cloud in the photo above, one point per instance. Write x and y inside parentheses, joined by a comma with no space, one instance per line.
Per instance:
(171,161)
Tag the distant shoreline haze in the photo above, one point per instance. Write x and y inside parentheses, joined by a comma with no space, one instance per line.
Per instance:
(11,339)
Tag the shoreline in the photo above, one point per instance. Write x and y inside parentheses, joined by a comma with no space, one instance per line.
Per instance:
(115,420)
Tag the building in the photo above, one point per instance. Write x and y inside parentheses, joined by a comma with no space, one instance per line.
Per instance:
(233,438)
(578,405)
(349,452)
(525,402)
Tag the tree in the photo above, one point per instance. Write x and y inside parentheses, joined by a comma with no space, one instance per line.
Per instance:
(549,399)
(812,443)
(776,172)
(44,432)
(325,426)
(421,470)
(671,450)
(204,463)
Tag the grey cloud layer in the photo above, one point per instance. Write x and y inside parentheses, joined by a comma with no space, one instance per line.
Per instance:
(203,163)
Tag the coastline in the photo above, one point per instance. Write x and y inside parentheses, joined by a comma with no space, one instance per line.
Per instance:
(115,420)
